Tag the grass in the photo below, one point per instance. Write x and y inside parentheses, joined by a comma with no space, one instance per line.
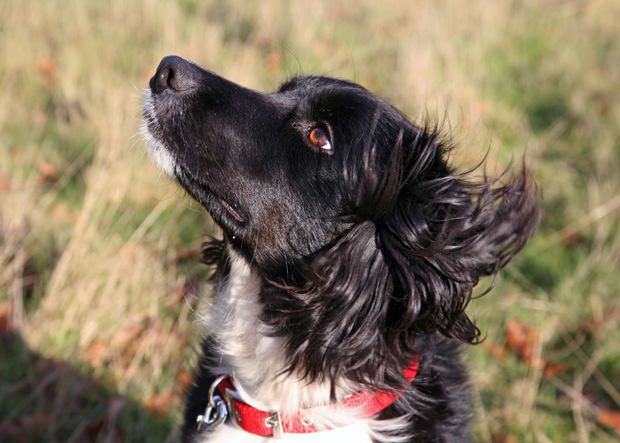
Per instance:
(99,286)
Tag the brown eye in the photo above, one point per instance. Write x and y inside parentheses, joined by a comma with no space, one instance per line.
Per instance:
(319,138)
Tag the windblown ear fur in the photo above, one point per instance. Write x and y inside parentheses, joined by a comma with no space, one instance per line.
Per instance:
(424,237)
(443,231)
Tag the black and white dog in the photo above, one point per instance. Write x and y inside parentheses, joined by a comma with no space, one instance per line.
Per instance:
(350,251)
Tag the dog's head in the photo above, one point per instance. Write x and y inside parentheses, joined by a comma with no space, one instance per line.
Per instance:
(283,173)
(350,210)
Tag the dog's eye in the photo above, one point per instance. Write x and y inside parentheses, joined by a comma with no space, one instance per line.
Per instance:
(320,138)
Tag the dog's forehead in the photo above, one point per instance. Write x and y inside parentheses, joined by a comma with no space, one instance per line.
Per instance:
(305,86)
(317,93)
(310,82)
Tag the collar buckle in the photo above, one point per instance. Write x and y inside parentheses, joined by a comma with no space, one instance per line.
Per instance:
(275,423)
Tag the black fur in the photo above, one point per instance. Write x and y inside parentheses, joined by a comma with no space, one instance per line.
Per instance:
(369,252)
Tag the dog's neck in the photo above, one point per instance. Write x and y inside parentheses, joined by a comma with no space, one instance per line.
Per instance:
(257,362)
(255,359)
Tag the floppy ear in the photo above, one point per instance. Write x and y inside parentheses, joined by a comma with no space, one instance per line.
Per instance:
(422,238)
(445,231)
(439,232)
(444,235)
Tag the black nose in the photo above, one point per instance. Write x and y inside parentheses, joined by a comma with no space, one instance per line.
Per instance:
(174,73)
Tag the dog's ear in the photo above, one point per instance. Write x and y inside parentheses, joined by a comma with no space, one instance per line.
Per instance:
(443,231)
(422,236)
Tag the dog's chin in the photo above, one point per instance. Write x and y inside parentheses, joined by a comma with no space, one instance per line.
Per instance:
(227,215)
(159,154)
(156,148)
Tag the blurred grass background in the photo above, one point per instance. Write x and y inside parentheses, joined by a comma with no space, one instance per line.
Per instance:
(99,282)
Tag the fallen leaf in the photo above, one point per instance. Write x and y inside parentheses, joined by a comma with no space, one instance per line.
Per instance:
(5,184)
(47,170)
(609,418)
(190,253)
(571,237)
(551,370)
(126,335)
(93,430)
(63,213)
(185,380)
(273,62)
(130,251)
(182,293)
(522,339)
(6,317)
(504,438)
(497,351)
(47,68)
(97,353)
(160,404)
(610,316)
(498,437)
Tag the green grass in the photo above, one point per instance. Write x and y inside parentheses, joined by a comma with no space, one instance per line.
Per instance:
(99,285)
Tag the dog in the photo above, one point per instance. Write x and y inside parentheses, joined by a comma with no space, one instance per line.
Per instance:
(350,251)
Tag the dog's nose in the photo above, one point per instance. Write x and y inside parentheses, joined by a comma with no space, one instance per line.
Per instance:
(174,73)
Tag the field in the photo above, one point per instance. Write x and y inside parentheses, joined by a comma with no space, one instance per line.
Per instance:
(100,284)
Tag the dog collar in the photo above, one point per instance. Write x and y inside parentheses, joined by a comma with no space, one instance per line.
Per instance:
(225,402)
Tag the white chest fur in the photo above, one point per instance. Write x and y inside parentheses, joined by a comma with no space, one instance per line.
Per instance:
(255,359)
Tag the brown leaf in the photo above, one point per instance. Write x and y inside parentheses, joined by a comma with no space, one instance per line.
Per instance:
(185,380)
(126,335)
(182,293)
(129,250)
(273,62)
(551,370)
(499,437)
(5,184)
(497,351)
(63,213)
(93,430)
(522,339)
(188,254)
(47,170)
(609,418)
(175,298)
(6,317)
(610,316)
(97,353)
(160,404)
(571,237)
(47,68)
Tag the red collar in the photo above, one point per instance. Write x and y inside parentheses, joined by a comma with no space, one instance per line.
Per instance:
(272,424)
